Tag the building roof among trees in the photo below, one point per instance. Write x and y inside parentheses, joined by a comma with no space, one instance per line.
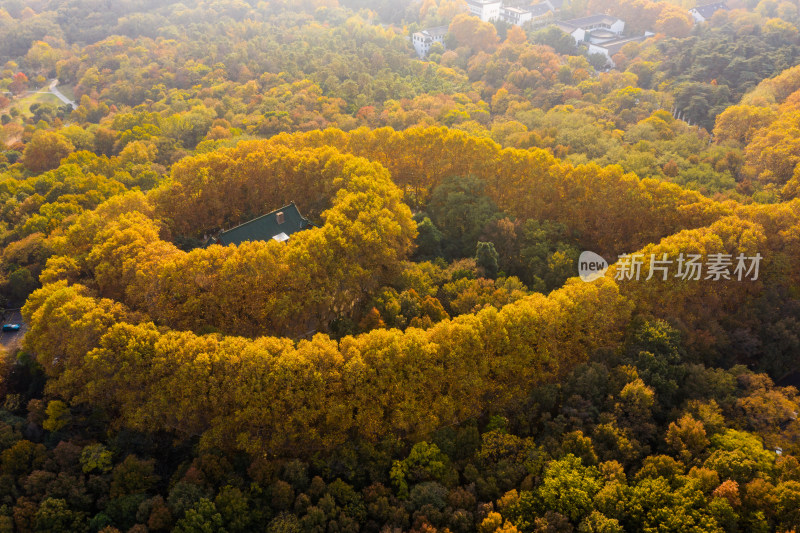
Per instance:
(538,10)
(436,32)
(707,10)
(603,34)
(591,20)
(278,225)
(616,45)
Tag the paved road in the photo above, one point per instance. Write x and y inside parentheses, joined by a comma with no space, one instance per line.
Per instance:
(12,341)
(60,95)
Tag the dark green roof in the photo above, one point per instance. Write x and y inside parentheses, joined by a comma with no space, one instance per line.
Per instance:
(267,227)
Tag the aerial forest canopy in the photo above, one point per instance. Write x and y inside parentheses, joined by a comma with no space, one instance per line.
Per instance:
(422,356)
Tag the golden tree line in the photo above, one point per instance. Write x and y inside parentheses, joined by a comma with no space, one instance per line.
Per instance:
(101,325)
(260,287)
(765,126)
(613,212)
(272,396)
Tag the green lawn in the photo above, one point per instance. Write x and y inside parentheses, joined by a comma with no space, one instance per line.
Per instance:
(67,90)
(24,104)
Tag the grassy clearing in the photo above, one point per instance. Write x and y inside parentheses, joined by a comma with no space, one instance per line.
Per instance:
(67,90)
(24,104)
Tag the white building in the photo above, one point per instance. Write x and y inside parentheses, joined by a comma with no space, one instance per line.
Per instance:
(611,48)
(537,14)
(705,12)
(581,28)
(515,15)
(486,10)
(423,40)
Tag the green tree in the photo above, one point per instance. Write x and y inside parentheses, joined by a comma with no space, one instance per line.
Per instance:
(202,518)
(425,462)
(58,416)
(487,259)
(461,210)
(429,240)
(568,487)
(132,476)
(55,516)
(232,505)
(655,350)
(96,457)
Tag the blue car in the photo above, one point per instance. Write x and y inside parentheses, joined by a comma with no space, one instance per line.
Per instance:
(11,327)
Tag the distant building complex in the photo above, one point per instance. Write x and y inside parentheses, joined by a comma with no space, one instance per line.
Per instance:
(602,34)
(516,13)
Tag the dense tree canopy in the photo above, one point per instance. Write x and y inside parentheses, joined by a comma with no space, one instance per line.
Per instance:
(422,358)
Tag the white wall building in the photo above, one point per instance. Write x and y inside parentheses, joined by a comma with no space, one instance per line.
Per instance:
(515,15)
(581,28)
(611,48)
(423,40)
(486,10)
